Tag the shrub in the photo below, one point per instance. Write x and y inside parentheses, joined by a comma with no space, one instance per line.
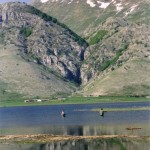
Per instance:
(107,63)
(26,31)
(97,37)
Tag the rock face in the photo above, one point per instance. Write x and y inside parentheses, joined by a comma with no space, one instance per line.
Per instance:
(123,42)
(118,63)
(104,64)
(38,54)
(44,39)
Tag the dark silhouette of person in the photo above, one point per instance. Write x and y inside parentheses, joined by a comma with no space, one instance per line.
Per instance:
(63,113)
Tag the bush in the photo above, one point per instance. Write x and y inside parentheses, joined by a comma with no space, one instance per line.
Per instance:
(26,31)
(97,37)
(107,63)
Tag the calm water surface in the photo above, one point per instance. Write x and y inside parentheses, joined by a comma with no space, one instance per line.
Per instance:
(47,119)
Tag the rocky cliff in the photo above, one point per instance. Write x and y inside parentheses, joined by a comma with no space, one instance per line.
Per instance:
(118,36)
(32,38)
(46,40)
(45,53)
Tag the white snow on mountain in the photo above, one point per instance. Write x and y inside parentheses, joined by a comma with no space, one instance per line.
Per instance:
(90,2)
(70,1)
(44,1)
(103,4)
(130,10)
(120,5)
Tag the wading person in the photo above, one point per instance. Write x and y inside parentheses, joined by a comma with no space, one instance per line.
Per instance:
(63,113)
(101,112)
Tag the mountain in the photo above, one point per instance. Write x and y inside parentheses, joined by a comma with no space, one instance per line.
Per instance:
(39,56)
(83,16)
(42,57)
(117,59)
(119,64)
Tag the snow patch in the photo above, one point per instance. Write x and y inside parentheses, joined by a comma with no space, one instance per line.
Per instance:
(133,7)
(90,2)
(70,2)
(103,4)
(113,1)
(130,10)
(44,1)
(119,7)
(54,0)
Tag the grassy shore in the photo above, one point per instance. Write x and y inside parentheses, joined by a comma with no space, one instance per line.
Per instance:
(72,100)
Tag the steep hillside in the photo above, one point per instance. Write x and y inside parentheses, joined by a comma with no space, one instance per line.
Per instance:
(113,44)
(39,55)
(118,62)
(22,79)
(132,79)
(83,16)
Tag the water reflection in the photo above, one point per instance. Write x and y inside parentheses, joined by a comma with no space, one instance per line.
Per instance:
(47,120)
(98,144)
(111,129)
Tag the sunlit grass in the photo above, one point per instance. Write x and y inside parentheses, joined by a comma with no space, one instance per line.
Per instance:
(73,100)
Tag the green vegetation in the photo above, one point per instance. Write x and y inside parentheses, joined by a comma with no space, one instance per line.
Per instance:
(107,63)
(142,15)
(26,31)
(97,37)
(46,17)
(8,98)
(1,37)
(72,100)
(6,95)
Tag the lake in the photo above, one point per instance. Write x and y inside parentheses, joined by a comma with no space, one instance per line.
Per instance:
(79,119)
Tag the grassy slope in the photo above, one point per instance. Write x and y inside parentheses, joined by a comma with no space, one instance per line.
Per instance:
(123,81)
(78,17)
(81,17)
(21,79)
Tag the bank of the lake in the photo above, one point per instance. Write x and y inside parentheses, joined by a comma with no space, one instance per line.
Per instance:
(51,142)
(72,100)
(45,138)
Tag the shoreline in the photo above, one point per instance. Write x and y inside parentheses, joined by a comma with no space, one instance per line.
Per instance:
(46,138)
(80,100)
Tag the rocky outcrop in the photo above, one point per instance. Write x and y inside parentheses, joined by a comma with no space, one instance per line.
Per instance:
(45,40)
(123,42)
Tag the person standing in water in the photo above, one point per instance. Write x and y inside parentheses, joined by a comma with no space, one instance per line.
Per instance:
(101,112)
(63,113)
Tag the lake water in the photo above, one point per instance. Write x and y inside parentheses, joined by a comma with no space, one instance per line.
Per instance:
(47,119)
(101,144)
(79,120)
